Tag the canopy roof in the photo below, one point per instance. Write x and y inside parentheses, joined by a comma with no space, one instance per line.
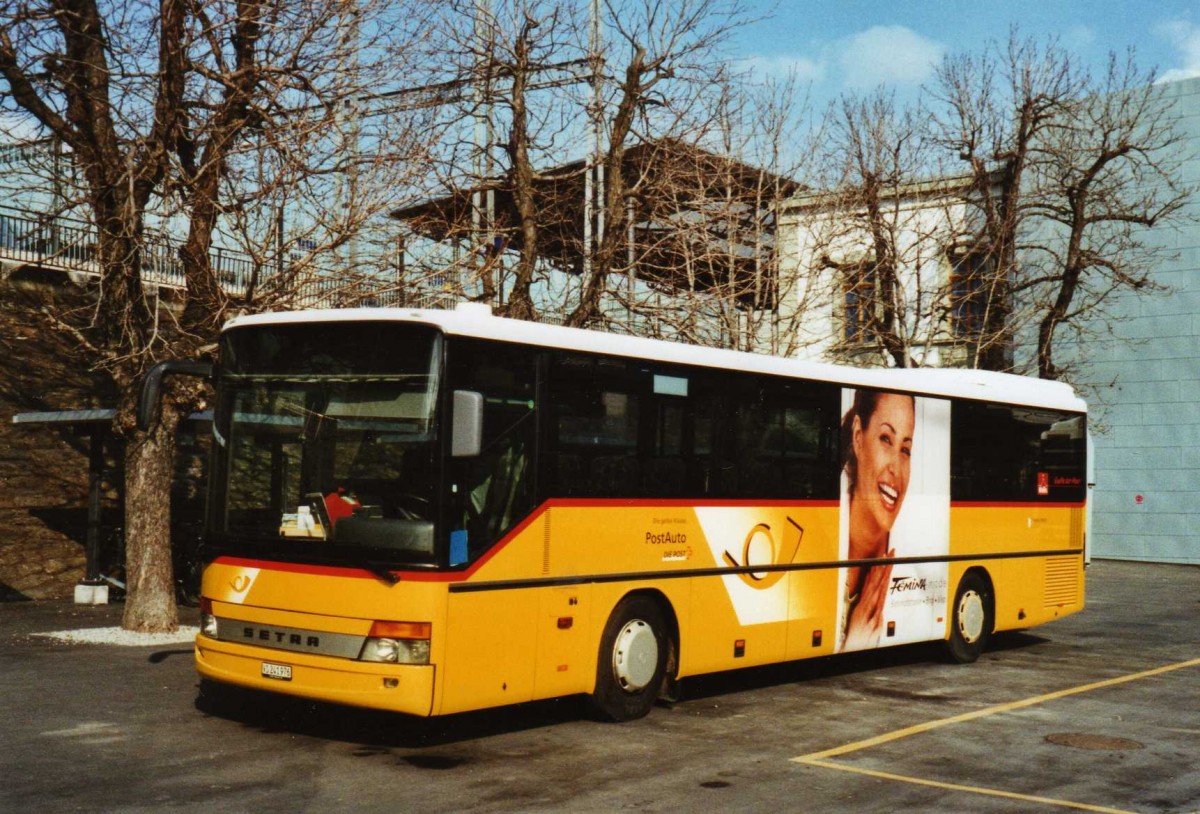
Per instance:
(699,220)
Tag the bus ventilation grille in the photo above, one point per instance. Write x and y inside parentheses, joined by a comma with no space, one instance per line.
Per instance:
(1062,581)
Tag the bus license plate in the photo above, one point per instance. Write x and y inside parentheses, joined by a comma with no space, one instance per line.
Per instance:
(282,672)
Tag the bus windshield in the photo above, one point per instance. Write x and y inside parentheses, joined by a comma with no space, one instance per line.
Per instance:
(326,442)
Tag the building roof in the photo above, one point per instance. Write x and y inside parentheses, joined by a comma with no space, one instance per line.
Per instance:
(690,208)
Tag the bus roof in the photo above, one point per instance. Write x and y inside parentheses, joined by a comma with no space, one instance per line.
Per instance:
(476,320)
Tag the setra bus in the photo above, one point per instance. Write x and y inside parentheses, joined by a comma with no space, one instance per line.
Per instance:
(435,511)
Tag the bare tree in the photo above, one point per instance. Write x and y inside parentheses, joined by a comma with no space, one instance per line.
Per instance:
(659,74)
(701,255)
(1068,172)
(878,155)
(154,101)
(995,108)
(879,237)
(63,63)
(1106,178)
(515,59)
(1063,175)
(325,138)
(542,82)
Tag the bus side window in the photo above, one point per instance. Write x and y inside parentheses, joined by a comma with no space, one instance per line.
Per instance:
(1005,453)
(665,471)
(493,491)
(705,475)
(593,435)
(785,441)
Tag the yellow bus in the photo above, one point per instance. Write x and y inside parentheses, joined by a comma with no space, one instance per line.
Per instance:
(439,511)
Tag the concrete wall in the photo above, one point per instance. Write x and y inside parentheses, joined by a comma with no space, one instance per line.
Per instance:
(1147,389)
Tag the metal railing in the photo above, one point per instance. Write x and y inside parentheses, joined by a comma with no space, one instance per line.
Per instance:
(69,245)
(60,243)
(66,244)
(53,242)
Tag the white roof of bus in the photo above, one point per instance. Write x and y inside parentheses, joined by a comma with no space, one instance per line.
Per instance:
(476,320)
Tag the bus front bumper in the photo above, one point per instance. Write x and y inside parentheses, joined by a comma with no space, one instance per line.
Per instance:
(402,688)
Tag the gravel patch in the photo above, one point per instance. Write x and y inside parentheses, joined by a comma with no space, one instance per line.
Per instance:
(120,636)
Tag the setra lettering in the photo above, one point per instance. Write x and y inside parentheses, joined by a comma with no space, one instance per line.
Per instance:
(281,637)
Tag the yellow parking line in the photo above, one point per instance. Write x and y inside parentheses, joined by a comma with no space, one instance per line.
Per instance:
(920,781)
(983,713)
(822,758)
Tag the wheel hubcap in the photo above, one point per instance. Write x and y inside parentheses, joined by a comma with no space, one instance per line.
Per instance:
(970,616)
(635,656)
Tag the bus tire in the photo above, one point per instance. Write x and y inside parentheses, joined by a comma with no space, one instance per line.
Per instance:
(632,661)
(972,618)
(215,698)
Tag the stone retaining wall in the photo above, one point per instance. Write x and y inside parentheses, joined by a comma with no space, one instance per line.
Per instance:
(43,470)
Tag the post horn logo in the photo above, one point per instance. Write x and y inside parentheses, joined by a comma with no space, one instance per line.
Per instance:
(240,583)
(761,549)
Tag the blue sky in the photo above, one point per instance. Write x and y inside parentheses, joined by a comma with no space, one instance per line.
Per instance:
(843,45)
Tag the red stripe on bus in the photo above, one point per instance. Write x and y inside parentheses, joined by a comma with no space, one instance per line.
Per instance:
(1016,504)
(682,503)
(626,503)
(295,567)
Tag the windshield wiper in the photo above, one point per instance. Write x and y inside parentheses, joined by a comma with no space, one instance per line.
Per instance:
(380,570)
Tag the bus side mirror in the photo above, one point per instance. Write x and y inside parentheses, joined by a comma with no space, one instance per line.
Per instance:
(466,434)
(152,385)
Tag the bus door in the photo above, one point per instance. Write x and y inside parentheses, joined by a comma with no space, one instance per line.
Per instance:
(491,644)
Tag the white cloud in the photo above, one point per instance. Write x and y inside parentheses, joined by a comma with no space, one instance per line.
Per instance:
(1185,37)
(1080,36)
(888,55)
(783,66)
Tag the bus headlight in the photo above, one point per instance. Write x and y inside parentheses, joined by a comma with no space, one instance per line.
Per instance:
(396,651)
(397,643)
(208,622)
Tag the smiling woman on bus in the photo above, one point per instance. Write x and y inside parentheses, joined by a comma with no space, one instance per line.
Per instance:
(877,440)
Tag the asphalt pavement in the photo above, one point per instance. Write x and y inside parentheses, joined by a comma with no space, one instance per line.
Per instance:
(1096,712)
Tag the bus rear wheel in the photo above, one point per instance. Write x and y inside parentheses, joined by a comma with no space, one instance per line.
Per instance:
(972,620)
(632,661)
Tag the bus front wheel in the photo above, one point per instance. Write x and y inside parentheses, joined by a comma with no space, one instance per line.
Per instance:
(632,662)
(972,620)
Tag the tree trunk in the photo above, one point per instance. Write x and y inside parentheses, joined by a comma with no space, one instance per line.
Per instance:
(520,302)
(614,193)
(149,468)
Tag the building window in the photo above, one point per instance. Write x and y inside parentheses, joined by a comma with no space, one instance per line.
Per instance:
(859,305)
(970,287)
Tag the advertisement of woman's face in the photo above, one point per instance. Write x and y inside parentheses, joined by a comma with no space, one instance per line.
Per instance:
(883,451)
